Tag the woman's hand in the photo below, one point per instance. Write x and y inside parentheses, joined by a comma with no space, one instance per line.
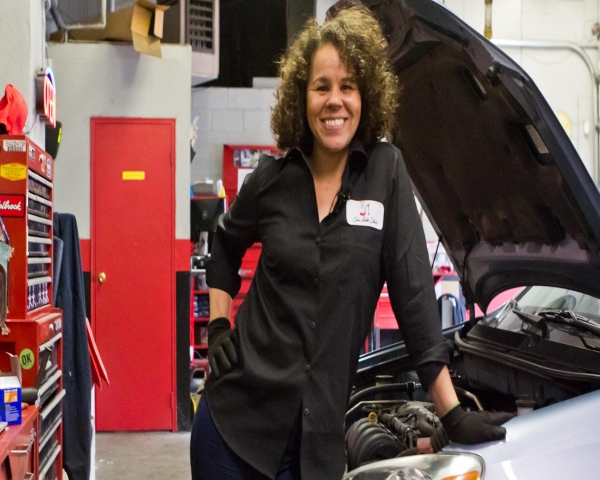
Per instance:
(461,426)
(474,427)
(223,346)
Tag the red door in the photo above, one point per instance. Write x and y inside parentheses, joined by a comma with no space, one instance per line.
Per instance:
(133,276)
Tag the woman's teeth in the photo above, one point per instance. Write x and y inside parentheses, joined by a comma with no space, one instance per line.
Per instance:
(334,123)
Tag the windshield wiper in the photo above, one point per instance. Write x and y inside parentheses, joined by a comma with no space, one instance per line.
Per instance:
(533,320)
(569,317)
(564,317)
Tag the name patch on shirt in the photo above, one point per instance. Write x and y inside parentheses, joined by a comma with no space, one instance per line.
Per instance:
(365,213)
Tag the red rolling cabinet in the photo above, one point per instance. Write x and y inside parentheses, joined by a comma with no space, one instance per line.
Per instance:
(38,343)
(17,448)
(199,310)
(34,327)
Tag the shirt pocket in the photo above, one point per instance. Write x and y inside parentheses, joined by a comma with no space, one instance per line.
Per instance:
(360,265)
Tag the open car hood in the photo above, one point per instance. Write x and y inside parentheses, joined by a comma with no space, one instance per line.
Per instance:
(490,163)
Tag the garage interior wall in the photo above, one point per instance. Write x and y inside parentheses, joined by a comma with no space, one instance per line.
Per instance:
(22,54)
(109,80)
(241,116)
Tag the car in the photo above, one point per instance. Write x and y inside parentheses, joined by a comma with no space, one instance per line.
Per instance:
(514,208)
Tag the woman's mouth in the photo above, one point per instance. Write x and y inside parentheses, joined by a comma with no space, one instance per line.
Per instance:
(334,122)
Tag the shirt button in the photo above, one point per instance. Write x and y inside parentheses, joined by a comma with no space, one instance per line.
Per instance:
(307,367)
(317,240)
(306,412)
(316,281)
(313,324)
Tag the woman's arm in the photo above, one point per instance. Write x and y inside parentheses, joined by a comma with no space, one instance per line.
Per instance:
(442,393)
(223,341)
(220,303)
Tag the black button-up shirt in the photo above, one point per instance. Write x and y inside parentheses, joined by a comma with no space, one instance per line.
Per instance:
(311,304)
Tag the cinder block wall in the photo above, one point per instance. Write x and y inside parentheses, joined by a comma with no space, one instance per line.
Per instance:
(226,116)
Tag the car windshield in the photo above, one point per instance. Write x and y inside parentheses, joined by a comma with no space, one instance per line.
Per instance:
(539,301)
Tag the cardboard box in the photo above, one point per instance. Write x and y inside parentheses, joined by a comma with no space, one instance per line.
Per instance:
(10,393)
(141,24)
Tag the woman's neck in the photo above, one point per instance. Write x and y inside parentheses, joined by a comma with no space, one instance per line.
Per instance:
(327,165)
(327,171)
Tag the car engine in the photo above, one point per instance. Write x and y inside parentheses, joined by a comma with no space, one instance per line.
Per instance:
(392,429)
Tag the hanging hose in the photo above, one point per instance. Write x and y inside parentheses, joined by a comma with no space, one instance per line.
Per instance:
(408,387)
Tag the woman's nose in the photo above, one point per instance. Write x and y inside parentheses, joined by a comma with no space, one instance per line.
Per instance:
(335,99)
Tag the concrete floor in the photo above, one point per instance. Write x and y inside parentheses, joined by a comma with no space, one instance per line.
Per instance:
(143,456)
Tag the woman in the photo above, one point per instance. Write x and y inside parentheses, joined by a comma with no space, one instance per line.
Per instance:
(336,218)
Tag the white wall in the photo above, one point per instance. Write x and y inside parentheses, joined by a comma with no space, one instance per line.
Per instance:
(22,54)
(228,116)
(561,75)
(115,81)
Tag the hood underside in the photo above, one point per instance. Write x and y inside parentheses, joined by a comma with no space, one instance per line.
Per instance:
(493,168)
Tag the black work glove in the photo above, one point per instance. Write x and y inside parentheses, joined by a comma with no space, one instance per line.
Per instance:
(474,427)
(223,345)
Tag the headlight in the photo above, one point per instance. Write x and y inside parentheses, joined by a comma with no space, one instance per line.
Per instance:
(439,466)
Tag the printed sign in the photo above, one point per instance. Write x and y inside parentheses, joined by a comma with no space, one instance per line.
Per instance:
(13,171)
(15,146)
(45,100)
(365,213)
(134,175)
(27,359)
(31,152)
(49,168)
(12,205)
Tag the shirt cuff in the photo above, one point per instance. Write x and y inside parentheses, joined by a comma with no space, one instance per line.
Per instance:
(430,363)
(216,278)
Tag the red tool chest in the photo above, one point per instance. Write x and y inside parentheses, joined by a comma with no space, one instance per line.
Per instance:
(34,327)
(17,448)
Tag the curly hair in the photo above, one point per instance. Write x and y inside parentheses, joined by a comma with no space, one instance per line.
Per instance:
(357,36)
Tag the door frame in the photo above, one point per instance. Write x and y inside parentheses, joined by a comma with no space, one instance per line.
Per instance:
(94,190)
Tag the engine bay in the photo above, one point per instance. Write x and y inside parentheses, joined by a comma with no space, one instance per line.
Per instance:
(394,417)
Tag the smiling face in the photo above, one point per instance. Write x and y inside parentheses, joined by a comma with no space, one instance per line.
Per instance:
(333,103)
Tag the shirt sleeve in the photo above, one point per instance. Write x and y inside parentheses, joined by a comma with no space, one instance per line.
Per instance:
(409,279)
(236,232)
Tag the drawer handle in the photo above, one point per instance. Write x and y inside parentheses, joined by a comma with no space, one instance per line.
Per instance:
(23,449)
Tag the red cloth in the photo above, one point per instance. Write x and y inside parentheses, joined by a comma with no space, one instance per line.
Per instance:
(13,111)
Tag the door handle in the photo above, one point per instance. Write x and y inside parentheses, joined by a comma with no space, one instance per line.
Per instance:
(102,277)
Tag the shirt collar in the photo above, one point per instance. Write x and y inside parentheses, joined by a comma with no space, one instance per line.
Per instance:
(356,152)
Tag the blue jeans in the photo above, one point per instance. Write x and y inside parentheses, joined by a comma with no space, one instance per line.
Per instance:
(212,459)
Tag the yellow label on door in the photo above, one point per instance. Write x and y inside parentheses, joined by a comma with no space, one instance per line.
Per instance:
(13,171)
(134,175)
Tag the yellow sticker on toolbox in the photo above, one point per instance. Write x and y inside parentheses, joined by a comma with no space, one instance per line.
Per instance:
(134,175)
(13,171)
